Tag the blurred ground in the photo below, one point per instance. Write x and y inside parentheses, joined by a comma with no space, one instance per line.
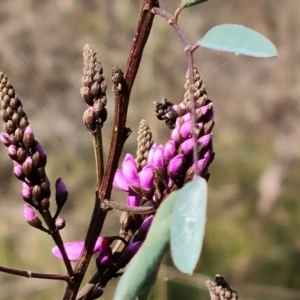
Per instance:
(253,236)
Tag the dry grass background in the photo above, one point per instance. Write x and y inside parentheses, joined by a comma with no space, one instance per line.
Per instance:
(253,235)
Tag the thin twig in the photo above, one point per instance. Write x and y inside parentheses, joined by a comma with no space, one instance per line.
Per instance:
(57,239)
(29,274)
(140,210)
(190,62)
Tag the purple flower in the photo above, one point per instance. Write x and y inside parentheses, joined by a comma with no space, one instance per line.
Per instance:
(74,249)
(135,184)
(129,169)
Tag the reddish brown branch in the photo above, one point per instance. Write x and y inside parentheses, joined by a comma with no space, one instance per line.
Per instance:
(120,133)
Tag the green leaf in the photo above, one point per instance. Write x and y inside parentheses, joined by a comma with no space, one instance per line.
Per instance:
(188,3)
(142,269)
(238,39)
(188,225)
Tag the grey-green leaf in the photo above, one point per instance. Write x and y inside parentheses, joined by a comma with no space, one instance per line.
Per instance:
(188,225)
(188,3)
(142,269)
(239,40)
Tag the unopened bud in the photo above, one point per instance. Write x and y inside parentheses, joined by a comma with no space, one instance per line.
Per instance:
(31,217)
(60,223)
(61,193)
(4,138)
(28,136)
(103,258)
(27,166)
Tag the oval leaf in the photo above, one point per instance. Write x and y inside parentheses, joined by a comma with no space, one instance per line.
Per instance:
(188,3)
(188,224)
(238,39)
(142,270)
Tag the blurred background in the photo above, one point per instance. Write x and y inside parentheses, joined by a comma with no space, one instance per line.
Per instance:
(253,228)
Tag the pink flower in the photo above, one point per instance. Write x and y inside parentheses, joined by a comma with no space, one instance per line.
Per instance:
(74,249)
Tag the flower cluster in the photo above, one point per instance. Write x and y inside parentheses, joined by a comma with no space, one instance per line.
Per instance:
(157,171)
(93,90)
(29,159)
(168,167)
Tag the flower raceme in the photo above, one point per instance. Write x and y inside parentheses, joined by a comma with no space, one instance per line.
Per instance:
(165,168)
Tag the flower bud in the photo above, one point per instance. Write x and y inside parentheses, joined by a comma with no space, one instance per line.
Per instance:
(18,171)
(103,258)
(30,216)
(151,154)
(186,147)
(86,95)
(97,292)
(185,130)
(130,251)
(170,150)
(147,223)
(4,138)
(60,223)
(175,165)
(61,193)
(39,157)
(26,192)
(27,166)
(89,117)
(28,136)
(158,158)
(12,151)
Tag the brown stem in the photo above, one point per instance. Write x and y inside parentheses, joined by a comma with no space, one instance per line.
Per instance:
(119,136)
(141,210)
(29,274)
(99,157)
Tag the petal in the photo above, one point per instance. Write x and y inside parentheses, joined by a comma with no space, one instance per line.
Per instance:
(170,149)
(146,177)
(28,212)
(151,154)
(74,249)
(120,181)
(175,135)
(133,199)
(205,140)
(158,159)
(4,138)
(187,146)
(130,170)
(186,130)
(176,164)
